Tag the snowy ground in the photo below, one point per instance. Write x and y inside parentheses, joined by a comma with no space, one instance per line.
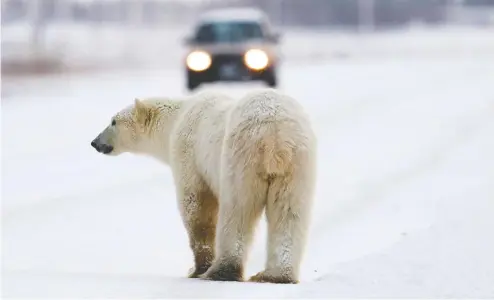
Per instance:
(404,203)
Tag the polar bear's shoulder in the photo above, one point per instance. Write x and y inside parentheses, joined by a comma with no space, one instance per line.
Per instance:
(209,98)
(268,103)
(207,103)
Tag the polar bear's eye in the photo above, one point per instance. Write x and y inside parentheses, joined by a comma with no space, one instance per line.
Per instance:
(113,122)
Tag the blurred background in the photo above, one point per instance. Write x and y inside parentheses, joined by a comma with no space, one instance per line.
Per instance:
(54,35)
(401,96)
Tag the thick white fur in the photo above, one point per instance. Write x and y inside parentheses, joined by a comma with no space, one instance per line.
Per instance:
(231,160)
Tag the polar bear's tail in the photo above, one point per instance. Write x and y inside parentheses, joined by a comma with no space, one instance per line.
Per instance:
(278,155)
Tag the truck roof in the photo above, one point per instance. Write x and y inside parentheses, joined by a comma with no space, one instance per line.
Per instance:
(232,14)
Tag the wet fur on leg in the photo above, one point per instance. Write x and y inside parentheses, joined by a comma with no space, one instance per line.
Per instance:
(203,261)
(202,231)
(198,271)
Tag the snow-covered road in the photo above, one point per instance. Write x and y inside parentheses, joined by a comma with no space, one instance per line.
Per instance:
(404,202)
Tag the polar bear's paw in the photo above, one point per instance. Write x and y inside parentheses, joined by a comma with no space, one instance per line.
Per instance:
(197,271)
(224,272)
(270,278)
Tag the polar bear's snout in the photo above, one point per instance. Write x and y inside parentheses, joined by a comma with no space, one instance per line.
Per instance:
(101,147)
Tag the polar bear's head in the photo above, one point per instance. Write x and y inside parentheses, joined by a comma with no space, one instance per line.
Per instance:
(130,130)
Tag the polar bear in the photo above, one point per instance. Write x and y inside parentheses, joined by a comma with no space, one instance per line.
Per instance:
(230,160)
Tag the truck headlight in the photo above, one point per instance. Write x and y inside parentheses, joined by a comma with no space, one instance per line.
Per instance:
(198,61)
(256,59)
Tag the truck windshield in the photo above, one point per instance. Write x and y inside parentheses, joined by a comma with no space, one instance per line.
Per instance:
(228,32)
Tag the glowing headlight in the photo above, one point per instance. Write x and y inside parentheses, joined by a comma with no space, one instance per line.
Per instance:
(256,59)
(198,61)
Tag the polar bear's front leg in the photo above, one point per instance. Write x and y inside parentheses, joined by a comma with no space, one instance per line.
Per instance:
(199,208)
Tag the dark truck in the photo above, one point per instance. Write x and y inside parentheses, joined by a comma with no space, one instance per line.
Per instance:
(232,44)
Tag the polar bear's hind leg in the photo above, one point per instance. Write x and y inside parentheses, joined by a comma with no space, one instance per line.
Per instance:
(242,201)
(287,211)
(288,206)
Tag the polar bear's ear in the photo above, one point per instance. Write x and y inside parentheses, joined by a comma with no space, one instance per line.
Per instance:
(141,111)
(139,106)
(138,103)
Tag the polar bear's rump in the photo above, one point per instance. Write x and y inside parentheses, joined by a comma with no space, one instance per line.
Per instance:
(277,155)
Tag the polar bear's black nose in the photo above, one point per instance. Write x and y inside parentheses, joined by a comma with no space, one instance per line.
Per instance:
(105,149)
(102,148)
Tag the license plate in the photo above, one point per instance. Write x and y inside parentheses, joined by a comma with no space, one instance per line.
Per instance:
(228,71)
